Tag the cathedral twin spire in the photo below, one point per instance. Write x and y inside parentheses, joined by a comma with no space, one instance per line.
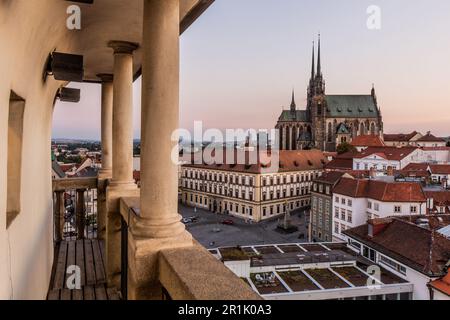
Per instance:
(316,83)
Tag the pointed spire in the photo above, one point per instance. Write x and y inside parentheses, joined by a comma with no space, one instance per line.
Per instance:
(313,63)
(319,67)
(293,105)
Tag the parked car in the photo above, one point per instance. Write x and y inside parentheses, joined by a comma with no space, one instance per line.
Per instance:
(193,218)
(228,222)
(186,220)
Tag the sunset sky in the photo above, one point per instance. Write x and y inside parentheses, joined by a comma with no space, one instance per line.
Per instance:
(241,59)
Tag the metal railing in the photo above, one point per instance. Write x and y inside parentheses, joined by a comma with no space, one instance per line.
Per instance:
(75,209)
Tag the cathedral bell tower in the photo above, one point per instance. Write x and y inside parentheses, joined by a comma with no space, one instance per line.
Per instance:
(317,103)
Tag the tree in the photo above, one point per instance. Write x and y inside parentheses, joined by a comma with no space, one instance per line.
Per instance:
(345,147)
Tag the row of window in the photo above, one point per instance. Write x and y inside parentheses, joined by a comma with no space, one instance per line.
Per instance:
(343,201)
(344,215)
(219,177)
(279,209)
(268,196)
(317,204)
(219,190)
(339,227)
(318,187)
(293,178)
(375,166)
(226,207)
(372,255)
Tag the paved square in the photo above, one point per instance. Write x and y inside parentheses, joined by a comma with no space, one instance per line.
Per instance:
(211,233)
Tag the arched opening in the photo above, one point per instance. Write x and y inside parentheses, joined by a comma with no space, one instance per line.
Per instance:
(330,132)
(372,128)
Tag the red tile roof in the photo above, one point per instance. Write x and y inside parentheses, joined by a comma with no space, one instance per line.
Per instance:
(422,249)
(289,161)
(435,148)
(381,190)
(389,153)
(331,177)
(340,164)
(400,137)
(440,168)
(417,167)
(442,285)
(440,198)
(430,138)
(367,141)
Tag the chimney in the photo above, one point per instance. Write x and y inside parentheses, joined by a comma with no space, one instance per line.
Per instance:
(376,226)
(390,171)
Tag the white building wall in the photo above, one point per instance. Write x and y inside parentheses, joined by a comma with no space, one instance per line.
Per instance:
(361,212)
(440,296)
(436,156)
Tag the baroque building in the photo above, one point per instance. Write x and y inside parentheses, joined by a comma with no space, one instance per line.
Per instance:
(328,120)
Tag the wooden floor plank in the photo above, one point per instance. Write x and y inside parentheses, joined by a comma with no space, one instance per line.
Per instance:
(88,255)
(53,295)
(66,294)
(77,295)
(112,294)
(71,254)
(102,251)
(100,293)
(89,293)
(61,266)
(80,260)
(98,261)
(89,262)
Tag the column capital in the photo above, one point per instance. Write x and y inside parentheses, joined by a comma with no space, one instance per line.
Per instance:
(105,77)
(123,46)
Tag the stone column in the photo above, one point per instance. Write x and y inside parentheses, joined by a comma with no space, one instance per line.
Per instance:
(106,171)
(107,123)
(122,184)
(158,226)
(122,125)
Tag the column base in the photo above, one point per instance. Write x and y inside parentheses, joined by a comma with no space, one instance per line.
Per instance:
(122,185)
(143,259)
(105,174)
(157,228)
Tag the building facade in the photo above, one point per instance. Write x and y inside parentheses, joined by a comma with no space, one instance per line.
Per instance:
(246,191)
(358,200)
(328,120)
(382,158)
(411,247)
(321,219)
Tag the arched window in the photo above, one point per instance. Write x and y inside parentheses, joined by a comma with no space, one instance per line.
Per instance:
(362,130)
(330,132)
(372,128)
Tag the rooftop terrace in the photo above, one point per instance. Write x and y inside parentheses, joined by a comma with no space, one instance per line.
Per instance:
(311,271)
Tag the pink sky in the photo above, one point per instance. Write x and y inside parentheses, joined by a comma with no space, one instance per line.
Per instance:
(240,61)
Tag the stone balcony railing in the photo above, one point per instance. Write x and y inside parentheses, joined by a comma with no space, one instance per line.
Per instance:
(191,273)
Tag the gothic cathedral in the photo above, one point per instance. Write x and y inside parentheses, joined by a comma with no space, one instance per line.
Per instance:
(328,120)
